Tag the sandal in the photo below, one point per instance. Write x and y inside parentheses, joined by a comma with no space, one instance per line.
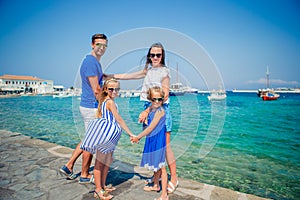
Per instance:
(151,188)
(103,195)
(109,188)
(160,198)
(172,188)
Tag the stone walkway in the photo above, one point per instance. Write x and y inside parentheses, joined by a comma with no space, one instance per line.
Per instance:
(29,170)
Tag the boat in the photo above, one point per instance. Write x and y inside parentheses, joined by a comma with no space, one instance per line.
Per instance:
(129,93)
(267,94)
(61,95)
(217,95)
(243,91)
(176,90)
(190,90)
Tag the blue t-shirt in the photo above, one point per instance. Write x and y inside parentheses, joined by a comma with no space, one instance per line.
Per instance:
(90,67)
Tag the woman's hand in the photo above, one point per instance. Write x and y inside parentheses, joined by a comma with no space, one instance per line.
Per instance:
(143,117)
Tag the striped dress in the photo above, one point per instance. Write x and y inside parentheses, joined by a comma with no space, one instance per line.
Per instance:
(102,134)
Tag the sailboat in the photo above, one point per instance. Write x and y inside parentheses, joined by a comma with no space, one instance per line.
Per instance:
(217,95)
(176,89)
(267,94)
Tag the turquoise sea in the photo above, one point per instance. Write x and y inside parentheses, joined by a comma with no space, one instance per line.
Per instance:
(243,143)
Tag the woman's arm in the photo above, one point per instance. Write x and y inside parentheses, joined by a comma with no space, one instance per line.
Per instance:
(111,106)
(129,76)
(158,115)
(165,83)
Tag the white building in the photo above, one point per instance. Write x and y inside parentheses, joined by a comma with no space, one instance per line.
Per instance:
(27,84)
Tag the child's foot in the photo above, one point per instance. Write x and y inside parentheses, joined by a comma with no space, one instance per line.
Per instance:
(151,180)
(109,188)
(103,195)
(152,188)
(162,198)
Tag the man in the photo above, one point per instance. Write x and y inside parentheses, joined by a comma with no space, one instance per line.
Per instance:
(91,79)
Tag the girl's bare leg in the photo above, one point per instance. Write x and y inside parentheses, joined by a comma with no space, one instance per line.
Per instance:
(107,162)
(156,177)
(98,168)
(164,183)
(99,176)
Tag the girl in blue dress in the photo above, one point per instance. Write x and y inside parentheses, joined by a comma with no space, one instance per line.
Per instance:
(154,154)
(102,136)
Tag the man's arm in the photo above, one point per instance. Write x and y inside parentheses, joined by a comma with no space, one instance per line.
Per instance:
(95,85)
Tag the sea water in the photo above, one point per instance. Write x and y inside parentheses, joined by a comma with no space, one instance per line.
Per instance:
(243,143)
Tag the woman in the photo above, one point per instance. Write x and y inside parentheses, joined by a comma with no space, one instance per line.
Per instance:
(156,75)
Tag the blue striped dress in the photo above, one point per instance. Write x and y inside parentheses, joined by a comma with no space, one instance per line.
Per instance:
(102,134)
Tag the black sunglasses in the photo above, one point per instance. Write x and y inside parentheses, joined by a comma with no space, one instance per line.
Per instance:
(157,99)
(100,45)
(114,89)
(152,55)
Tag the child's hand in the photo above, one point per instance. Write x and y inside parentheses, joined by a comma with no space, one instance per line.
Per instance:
(131,139)
(134,139)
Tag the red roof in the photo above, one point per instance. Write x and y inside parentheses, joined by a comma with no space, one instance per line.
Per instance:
(14,77)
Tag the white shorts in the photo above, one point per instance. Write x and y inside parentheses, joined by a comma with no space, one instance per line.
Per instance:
(88,114)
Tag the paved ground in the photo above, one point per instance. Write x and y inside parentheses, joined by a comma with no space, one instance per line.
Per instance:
(29,170)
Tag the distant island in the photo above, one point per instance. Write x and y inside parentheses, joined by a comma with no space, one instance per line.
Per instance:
(277,90)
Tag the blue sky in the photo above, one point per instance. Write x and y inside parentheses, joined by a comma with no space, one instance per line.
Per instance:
(49,38)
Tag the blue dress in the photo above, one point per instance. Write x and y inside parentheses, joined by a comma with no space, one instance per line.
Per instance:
(154,153)
(103,134)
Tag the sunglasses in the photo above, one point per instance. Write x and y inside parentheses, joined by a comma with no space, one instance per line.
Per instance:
(113,89)
(100,45)
(157,99)
(152,55)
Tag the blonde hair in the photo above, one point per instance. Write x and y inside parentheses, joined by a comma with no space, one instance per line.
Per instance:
(154,89)
(103,95)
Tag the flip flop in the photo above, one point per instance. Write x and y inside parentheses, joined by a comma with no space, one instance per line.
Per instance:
(172,188)
(160,198)
(109,188)
(103,195)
